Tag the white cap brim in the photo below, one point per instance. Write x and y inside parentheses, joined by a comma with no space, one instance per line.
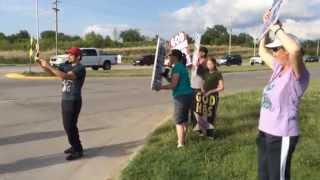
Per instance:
(277,43)
(274,44)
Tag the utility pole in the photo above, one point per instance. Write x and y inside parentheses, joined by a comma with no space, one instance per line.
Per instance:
(37,29)
(115,34)
(56,10)
(230,36)
(254,47)
(318,48)
(37,19)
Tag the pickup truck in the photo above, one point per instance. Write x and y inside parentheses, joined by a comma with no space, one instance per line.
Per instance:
(91,57)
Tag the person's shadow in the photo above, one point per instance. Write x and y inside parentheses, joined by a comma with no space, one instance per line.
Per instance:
(39,136)
(114,150)
(245,126)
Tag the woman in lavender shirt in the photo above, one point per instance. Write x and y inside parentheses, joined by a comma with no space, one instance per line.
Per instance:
(278,123)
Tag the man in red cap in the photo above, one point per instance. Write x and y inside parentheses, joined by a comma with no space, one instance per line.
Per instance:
(72,73)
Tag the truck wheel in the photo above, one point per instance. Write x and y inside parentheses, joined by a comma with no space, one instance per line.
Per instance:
(106,65)
(95,68)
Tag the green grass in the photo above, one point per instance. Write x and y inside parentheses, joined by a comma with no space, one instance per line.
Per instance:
(5,65)
(121,73)
(232,155)
(32,74)
(13,61)
(148,72)
(145,72)
(111,73)
(128,54)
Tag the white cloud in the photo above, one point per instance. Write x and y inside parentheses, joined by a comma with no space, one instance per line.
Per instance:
(246,16)
(108,29)
(305,30)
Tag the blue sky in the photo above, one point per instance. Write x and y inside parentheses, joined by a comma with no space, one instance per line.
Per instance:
(77,15)
(166,17)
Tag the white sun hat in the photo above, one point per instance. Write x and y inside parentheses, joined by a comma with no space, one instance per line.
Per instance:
(277,43)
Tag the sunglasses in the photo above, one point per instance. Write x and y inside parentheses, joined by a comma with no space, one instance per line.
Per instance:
(276,49)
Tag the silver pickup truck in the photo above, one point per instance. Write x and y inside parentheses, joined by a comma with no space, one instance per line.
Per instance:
(91,57)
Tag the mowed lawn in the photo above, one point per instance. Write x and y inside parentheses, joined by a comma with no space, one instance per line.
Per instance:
(147,72)
(232,155)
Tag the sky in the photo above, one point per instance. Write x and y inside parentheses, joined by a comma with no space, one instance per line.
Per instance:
(164,17)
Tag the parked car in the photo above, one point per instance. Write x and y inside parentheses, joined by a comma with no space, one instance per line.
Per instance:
(91,57)
(230,60)
(311,59)
(256,60)
(144,60)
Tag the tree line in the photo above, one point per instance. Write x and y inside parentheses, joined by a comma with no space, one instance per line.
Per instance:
(215,35)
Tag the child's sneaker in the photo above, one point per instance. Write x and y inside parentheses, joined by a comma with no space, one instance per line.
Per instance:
(210,134)
(196,128)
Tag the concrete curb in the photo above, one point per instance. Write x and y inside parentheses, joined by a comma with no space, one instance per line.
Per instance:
(19,76)
(117,175)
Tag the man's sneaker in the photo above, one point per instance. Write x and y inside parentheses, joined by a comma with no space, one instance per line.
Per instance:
(68,151)
(74,156)
(180,146)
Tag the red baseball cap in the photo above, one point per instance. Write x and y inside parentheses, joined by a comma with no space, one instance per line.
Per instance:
(74,51)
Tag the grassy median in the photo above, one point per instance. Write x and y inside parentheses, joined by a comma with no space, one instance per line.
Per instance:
(232,155)
(145,72)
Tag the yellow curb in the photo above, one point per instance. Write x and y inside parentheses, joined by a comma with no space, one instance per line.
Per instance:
(21,77)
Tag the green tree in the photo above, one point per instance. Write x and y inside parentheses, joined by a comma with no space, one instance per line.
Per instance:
(48,35)
(21,36)
(245,39)
(2,36)
(108,42)
(217,35)
(93,39)
(131,35)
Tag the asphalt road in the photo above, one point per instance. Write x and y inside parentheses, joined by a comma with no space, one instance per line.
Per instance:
(117,116)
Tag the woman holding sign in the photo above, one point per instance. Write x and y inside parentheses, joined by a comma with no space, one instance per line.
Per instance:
(278,123)
(181,92)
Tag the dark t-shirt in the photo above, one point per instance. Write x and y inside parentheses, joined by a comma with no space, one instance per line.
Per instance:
(211,80)
(71,89)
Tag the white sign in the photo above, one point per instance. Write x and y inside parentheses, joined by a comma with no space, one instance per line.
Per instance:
(180,42)
(197,41)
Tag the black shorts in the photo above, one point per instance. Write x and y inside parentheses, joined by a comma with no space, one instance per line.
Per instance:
(182,106)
